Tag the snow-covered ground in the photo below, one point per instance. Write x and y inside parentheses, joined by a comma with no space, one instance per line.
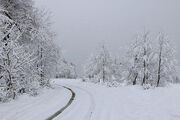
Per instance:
(35,108)
(123,103)
(96,102)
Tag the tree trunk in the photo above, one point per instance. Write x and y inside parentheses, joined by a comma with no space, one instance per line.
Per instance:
(103,73)
(9,79)
(159,68)
(135,80)
(41,64)
(104,77)
(144,78)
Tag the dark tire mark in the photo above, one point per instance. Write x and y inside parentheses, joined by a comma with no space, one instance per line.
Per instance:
(65,107)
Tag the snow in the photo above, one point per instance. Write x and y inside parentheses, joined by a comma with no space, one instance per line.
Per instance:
(82,106)
(35,108)
(122,103)
(97,102)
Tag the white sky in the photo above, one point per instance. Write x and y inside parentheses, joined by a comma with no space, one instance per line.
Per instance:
(82,24)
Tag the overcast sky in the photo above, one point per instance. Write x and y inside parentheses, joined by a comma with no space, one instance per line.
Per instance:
(83,24)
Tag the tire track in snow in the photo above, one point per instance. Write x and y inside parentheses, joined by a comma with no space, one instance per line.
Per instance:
(89,114)
(66,106)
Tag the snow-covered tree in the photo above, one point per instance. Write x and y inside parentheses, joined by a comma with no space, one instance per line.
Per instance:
(133,64)
(15,59)
(147,65)
(147,55)
(27,51)
(99,66)
(64,69)
(166,61)
(141,63)
(118,70)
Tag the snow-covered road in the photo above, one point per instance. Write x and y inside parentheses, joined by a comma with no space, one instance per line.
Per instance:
(65,106)
(82,106)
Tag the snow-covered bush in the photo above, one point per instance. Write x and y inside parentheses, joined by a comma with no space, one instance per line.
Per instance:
(3,93)
(113,83)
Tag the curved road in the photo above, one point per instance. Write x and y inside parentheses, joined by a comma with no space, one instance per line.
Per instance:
(80,106)
(67,105)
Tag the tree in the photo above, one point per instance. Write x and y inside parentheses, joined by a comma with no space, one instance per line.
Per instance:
(15,59)
(166,61)
(27,51)
(133,63)
(141,63)
(66,69)
(118,70)
(100,66)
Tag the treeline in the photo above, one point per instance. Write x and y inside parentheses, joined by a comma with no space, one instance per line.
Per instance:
(28,54)
(148,62)
(65,69)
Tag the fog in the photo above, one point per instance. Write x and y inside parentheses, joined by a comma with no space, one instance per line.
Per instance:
(81,25)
